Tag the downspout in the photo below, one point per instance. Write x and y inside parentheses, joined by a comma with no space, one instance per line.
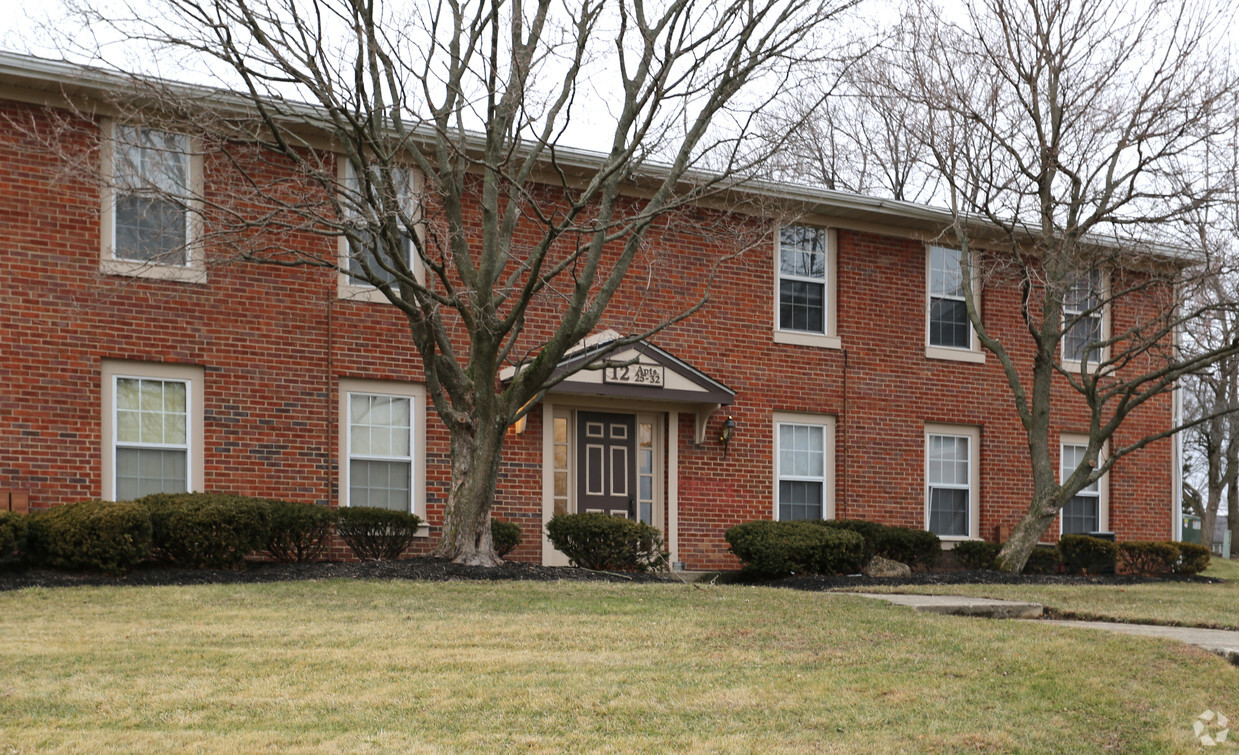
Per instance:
(841,470)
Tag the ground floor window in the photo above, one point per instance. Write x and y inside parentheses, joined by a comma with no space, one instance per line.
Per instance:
(382,425)
(951,481)
(804,467)
(152,429)
(1083,513)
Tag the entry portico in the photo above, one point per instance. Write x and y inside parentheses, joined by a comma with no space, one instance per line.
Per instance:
(610,434)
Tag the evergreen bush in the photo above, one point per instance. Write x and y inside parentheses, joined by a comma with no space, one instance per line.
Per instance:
(606,543)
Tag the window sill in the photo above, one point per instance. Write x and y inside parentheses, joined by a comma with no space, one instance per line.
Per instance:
(155,272)
(350,292)
(954,355)
(808,339)
(1074,367)
(950,541)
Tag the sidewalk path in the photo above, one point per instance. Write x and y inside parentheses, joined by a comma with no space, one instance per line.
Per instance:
(1224,642)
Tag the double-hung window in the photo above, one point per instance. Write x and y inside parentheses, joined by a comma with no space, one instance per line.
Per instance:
(150,229)
(152,429)
(382,445)
(1083,319)
(802,279)
(948,314)
(380,458)
(151,205)
(951,481)
(804,293)
(389,203)
(804,451)
(1083,513)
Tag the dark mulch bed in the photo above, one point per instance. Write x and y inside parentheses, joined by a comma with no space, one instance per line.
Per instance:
(13,577)
(421,569)
(978,577)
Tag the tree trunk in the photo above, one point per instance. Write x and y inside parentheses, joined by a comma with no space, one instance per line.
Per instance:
(466,537)
(1027,534)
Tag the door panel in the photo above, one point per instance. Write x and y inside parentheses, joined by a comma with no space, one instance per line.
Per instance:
(606,451)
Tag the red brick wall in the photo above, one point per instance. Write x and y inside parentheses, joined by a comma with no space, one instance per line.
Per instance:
(275,341)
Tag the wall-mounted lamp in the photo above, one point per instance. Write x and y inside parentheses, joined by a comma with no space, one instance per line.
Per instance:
(726,433)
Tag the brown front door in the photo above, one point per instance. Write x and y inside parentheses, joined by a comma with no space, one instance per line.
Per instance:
(606,458)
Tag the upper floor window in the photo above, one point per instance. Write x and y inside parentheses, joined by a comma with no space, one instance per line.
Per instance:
(805,289)
(149,227)
(152,196)
(364,264)
(1083,319)
(948,313)
(950,333)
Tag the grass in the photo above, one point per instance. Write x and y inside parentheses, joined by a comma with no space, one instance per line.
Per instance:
(405,666)
(1171,603)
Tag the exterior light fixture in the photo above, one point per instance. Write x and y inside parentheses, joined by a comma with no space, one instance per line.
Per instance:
(725,435)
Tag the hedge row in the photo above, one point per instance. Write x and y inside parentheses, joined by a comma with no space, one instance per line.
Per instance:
(1081,554)
(205,530)
(840,546)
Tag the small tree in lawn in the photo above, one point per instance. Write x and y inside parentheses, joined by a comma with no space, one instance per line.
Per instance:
(1067,135)
(451,118)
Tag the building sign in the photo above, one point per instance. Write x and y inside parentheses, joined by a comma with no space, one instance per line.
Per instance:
(651,375)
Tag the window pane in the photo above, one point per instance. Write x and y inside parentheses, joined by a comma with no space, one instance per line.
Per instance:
(382,484)
(141,471)
(948,512)
(1079,338)
(359,409)
(799,500)
(945,272)
(561,430)
(948,324)
(127,393)
(802,306)
(1082,514)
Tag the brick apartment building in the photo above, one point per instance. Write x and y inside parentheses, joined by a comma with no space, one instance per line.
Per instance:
(855,389)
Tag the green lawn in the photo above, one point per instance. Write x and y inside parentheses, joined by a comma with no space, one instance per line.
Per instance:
(1174,603)
(406,666)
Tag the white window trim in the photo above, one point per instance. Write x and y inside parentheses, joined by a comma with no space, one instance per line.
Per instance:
(828,339)
(416,393)
(1073,365)
(345,288)
(110,370)
(974,474)
(194,270)
(974,354)
(825,421)
(1103,483)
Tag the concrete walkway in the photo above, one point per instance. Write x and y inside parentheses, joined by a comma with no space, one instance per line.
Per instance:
(1221,641)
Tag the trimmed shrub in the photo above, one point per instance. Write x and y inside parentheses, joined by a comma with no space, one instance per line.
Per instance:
(977,554)
(909,546)
(777,549)
(1043,560)
(377,534)
(207,530)
(505,535)
(12,534)
(1193,558)
(870,531)
(298,531)
(606,543)
(103,536)
(1082,554)
(1148,558)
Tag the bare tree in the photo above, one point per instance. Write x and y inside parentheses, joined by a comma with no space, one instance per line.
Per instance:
(1066,135)
(452,118)
(1211,396)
